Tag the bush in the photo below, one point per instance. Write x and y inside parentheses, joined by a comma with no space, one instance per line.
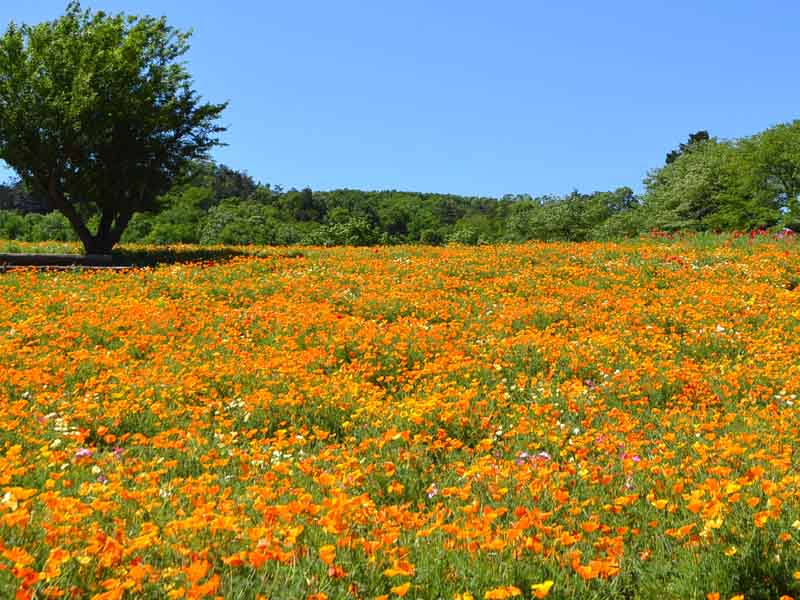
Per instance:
(178,224)
(50,227)
(245,223)
(466,236)
(35,227)
(138,229)
(432,237)
(14,226)
(622,225)
(356,231)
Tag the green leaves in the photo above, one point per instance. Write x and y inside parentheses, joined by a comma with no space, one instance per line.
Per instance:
(774,161)
(742,184)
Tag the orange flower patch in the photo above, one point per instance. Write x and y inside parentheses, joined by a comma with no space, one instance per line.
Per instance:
(350,423)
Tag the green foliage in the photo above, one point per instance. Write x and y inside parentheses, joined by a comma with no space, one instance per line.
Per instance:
(464,235)
(744,184)
(303,205)
(571,218)
(624,224)
(50,227)
(97,113)
(248,222)
(183,216)
(706,185)
(771,161)
(356,231)
(14,226)
(35,227)
(432,237)
(694,138)
(687,189)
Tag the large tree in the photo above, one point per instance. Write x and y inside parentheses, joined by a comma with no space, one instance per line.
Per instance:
(772,160)
(711,185)
(682,193)
(98,114)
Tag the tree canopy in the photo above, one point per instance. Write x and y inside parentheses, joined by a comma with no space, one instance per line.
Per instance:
(98,115)
(724,185)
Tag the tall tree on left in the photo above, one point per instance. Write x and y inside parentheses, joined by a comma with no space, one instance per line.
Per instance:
(98,114)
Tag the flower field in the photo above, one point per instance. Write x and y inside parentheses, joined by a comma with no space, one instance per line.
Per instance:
(546,420)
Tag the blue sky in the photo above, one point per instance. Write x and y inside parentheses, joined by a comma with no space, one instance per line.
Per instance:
(476,97)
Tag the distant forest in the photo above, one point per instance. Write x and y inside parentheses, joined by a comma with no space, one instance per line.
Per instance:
(705,184)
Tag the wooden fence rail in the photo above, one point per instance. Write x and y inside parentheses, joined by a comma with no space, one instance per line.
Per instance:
(57,261)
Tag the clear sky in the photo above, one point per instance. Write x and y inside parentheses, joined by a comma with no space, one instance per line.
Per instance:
(476,97)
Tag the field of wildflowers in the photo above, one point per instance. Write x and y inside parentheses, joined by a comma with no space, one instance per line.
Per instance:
(546,420)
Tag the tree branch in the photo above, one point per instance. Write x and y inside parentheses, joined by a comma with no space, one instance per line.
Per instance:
(60,203)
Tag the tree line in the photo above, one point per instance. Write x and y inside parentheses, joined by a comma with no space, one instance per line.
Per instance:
(705,184)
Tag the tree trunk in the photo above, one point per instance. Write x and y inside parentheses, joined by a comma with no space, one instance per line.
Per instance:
(98,245)
(108,234)
(60,203)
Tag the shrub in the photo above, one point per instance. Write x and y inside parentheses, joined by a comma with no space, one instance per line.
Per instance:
(52,226)
(356,231)
(432,237)
(14,226)
(466,236)
(244,223)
